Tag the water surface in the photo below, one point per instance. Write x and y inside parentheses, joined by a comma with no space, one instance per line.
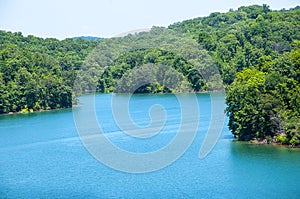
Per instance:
(41,156)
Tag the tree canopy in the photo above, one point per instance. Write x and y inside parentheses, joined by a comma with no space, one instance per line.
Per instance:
(38,73)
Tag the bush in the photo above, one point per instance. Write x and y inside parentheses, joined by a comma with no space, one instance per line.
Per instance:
(281,139)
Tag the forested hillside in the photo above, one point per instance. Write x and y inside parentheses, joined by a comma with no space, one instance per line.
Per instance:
(255,49)
(38,73)
(166,50)
(258,54)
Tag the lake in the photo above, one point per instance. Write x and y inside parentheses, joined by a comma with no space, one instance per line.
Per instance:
(43,156)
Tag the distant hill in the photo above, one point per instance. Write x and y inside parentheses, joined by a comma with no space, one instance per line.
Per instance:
(88,38)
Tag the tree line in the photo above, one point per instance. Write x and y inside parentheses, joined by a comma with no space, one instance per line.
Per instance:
(256,51)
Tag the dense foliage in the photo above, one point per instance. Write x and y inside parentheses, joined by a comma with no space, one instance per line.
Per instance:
(258,50)
(113,58)
(255,49)
(38,73)
(244,38)
(266,104)
(138,58)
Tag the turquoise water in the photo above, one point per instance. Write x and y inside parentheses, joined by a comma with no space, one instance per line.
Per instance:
(41,156)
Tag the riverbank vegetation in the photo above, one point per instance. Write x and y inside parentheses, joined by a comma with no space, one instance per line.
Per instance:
(38,74)
(255,49)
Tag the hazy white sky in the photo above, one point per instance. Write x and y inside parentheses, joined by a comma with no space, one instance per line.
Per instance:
(106,18)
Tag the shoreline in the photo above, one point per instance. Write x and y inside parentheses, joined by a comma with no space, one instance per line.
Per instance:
(29,112)
(74,105)
(264,142)
(254,141)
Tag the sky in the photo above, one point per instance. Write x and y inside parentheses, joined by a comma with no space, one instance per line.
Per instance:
(107,18)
